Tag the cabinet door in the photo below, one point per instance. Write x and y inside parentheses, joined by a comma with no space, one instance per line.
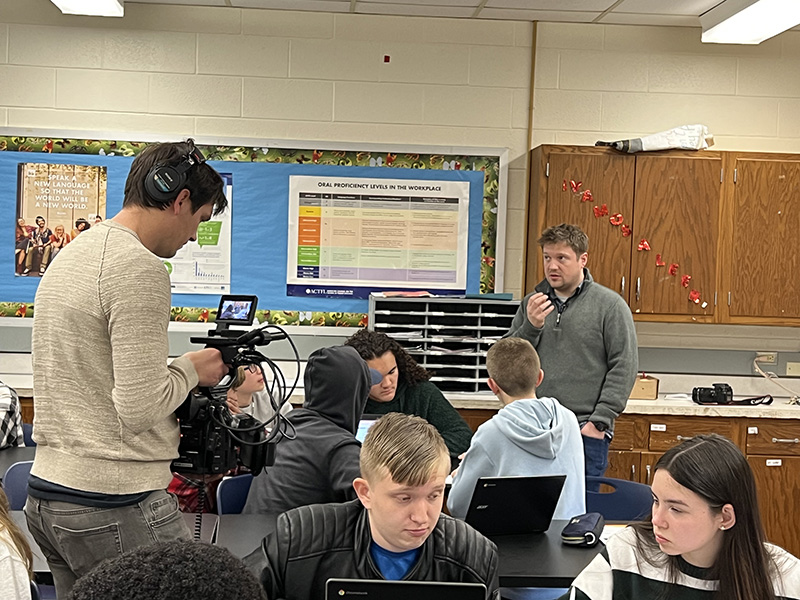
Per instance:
(676,209)
(609,178)
(647,466)
(766,245)
(778,486)
(669,431)
(623,465)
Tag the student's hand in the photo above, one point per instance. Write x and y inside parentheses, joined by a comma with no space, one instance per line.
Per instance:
(209,366)
(539,306)
(233,406)
(589,430)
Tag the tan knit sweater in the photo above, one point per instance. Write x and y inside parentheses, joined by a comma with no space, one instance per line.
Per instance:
(104,396)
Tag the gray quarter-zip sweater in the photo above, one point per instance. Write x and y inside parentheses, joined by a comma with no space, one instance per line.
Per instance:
(589,355)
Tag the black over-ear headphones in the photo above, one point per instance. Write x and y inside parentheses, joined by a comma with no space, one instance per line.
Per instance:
(163,182)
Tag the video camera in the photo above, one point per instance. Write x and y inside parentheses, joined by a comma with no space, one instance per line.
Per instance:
(213,439)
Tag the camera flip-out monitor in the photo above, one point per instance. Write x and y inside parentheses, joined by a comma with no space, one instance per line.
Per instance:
(236,310)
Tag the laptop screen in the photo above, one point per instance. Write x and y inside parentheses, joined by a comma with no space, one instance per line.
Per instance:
(376,589)
(512,505)
(364,424)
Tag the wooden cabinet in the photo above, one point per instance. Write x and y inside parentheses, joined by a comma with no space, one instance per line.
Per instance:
(624,464)
(609,177)
(773,451)
(669,200)
(764,220)
(778,486)
(728,219)
(676,209)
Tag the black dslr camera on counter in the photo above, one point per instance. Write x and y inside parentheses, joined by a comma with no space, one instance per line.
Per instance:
(720,393)
(214,440)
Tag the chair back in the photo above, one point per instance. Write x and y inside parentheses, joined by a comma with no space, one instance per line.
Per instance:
(15,484)
(630,501)
(35,595)
(232,494)
(27,432)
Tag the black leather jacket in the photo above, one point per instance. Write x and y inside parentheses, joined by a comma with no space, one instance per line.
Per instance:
(313,543)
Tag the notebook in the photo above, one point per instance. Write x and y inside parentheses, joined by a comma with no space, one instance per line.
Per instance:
(364,424)
(513,505)
(378,589)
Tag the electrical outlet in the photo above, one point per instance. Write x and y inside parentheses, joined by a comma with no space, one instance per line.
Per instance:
(767,358)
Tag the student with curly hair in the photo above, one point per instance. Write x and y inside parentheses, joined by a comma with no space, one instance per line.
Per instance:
(178,570)
(405,389)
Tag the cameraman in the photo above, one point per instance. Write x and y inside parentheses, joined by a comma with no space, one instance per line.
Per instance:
(105,399)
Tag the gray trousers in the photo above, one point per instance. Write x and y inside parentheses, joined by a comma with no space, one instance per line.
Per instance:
(75,538)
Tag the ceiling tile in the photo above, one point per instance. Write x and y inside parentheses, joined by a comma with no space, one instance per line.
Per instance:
(414,10)
(615,18)
(556,5)
(400,3)
(182,2)
(673,7)
(318,5)
(538,15)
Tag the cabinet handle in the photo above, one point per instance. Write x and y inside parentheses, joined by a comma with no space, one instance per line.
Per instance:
(623,286)
(647,478)
(785,441)
(633,472)
(638,288)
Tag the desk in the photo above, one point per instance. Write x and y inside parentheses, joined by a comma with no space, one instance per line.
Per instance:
(541,560)
(9,456)
(537,560)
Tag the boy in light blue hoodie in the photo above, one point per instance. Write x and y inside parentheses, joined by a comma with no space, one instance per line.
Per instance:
(529,436)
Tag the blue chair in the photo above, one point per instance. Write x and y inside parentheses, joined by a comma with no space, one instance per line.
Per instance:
(232,494)
(15,483)
(35,595)
(27,432)
(630,501)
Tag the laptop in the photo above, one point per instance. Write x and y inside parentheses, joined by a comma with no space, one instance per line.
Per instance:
(378,589)
(514,505)
(364,424)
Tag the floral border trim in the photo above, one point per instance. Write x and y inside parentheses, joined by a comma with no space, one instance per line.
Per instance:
(199,314)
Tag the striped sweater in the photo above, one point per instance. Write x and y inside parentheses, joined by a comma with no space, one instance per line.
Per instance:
(615,574)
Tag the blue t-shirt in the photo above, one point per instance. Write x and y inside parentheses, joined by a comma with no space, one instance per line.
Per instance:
(393,565)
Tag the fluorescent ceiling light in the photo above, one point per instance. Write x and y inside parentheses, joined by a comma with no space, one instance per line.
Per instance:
(95,8)
(748,21)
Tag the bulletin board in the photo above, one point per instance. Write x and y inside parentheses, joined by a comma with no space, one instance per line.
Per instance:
(261,180)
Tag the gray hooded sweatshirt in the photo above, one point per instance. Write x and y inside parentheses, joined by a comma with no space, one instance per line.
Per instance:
(320,463)
(529,437)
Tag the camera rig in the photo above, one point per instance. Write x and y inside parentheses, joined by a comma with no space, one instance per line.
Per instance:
(213,439)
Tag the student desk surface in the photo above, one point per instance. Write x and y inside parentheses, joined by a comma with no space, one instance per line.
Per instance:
(536,560)
(9,456)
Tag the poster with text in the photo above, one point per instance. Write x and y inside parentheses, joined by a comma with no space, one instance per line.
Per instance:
(204,266)
(351,236)
(55,203)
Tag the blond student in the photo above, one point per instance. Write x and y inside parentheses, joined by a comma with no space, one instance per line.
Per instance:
(394,530)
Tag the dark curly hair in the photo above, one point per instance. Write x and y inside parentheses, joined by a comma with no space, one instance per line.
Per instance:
(182,570)
(373,344)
